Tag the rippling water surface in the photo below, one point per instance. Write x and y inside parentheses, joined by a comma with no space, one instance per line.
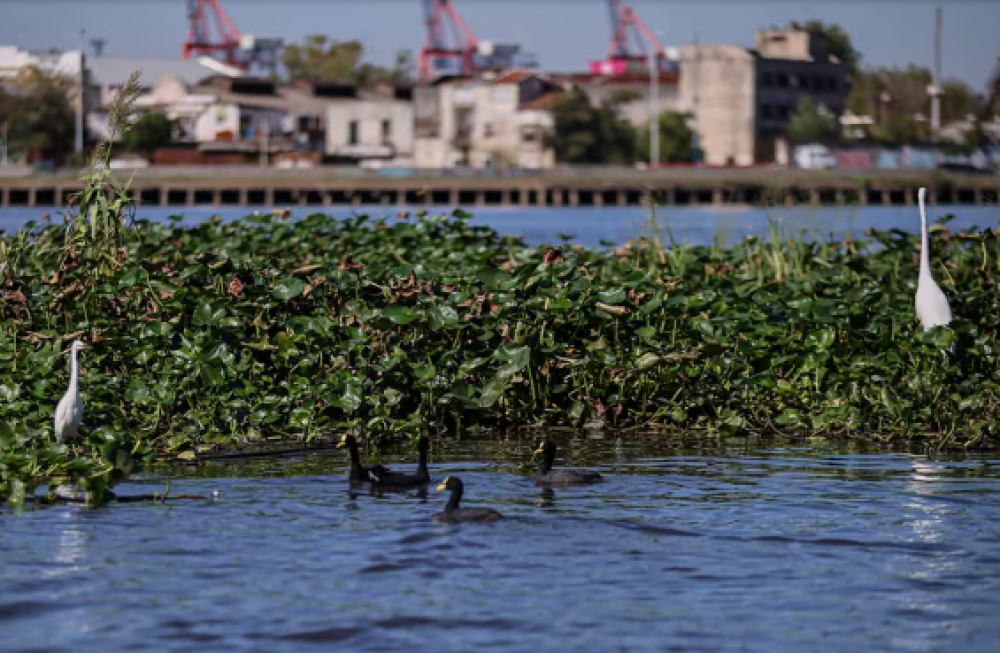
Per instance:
(711,546)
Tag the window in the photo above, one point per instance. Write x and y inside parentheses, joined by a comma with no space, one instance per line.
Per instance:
(768,80)
(352,132)
(767,111)
(386,132)
(488,130)
(782,80)
(308,123)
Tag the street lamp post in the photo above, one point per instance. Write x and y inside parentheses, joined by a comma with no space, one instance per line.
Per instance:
(78,146)
(3,142)
(654,114)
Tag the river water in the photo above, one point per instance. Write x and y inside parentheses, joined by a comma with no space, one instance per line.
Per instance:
(589,226)
(692,546)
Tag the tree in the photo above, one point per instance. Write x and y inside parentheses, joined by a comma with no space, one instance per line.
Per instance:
(319,58)
(40,118)
(896,96)
(810,124)
(585,134)
(676,139)
(149,133)
(958,101)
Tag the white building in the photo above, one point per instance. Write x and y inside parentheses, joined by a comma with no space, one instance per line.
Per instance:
(485,122)
(204,115)
(14,60)
(371,130)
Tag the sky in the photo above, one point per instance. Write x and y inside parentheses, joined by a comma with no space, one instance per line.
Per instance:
(563,34)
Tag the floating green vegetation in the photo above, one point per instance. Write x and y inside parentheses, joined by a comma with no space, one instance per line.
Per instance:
(225,334)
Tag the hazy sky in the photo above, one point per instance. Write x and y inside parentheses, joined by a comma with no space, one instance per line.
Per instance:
(563,34)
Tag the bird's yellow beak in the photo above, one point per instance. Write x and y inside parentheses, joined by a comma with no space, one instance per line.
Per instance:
(341,443)
(540,448)
(444,484)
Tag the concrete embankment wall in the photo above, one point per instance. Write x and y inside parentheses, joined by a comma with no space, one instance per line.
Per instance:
(317,187)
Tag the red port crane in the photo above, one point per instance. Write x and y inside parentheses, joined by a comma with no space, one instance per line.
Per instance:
(202,15)
(240,51)
(445,26)
(626,29)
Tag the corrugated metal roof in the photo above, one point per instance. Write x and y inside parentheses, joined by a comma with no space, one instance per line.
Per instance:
(107,71)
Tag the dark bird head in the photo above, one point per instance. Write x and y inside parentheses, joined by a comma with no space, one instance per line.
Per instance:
(450,483)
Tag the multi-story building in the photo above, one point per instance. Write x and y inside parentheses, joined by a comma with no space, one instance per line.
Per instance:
(742,99)
(372,127)
(492,121)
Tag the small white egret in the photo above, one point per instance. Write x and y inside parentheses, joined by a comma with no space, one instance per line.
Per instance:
(932,306)
(69,411)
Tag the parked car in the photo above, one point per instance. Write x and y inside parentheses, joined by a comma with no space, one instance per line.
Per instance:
(814,157)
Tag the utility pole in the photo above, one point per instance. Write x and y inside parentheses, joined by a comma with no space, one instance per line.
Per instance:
(695,143)
(79,98)
(3,142)
(265,134)
(935,89)
(654,104)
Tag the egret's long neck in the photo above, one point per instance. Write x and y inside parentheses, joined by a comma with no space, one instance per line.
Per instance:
(74,370)
(925,246)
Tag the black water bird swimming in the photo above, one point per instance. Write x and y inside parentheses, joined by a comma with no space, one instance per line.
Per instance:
(357,473)
(454,514)
(384,477)
(547,475)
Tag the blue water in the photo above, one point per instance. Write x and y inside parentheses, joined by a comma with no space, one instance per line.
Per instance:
(688,546)
(590,225)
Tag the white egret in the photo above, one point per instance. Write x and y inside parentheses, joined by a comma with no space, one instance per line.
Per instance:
(932,306)
(69,411)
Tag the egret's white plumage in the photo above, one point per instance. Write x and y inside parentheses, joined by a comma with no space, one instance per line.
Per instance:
(69,411)
(932,306)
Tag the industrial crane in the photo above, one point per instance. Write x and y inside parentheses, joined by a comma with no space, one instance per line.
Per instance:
(443,22)
(627,27)
(236,51)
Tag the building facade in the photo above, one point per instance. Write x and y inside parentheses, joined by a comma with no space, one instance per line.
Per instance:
(487,122)
(372,129)
(743,99)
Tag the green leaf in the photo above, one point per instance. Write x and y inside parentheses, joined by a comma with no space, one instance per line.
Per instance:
(350,400)
(821,339)
(491,393)
(647,360)
(424,372)
(288,288)
(442,317)
(612,297)
(205,315)
(635,278)
(399,314)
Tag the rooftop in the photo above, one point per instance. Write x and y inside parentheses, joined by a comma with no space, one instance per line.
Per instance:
(109,71)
